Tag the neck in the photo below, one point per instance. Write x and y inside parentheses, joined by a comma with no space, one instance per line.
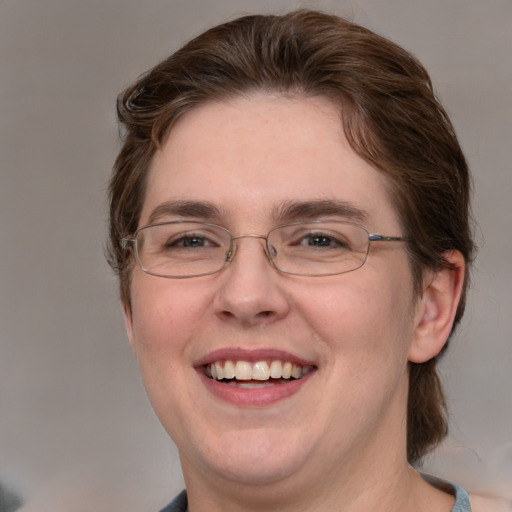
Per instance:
(406,491)
(374,478)
(372,475)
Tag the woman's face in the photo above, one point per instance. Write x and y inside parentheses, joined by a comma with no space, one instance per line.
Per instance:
(239,164)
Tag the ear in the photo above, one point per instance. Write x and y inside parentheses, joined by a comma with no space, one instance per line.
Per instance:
(128,323)
(436,308)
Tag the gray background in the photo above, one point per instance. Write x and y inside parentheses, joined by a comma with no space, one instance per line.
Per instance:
(76,431)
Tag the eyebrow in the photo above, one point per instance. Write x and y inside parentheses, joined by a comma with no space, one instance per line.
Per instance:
(191,209)
(287,211)
(290,211)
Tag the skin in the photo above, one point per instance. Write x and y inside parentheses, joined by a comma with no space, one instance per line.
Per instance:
(338,443)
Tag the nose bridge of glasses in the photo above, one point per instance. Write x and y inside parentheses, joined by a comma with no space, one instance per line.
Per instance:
(232,250)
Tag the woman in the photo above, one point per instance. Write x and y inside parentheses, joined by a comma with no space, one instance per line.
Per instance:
(290,224)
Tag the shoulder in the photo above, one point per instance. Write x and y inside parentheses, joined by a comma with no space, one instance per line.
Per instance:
(462,501)
(480,503)
(465,502)
(178,504)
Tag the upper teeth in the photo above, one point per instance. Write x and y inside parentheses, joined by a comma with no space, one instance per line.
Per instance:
(260,370)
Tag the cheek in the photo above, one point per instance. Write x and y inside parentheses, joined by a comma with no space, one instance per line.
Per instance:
(363,323)
(165,315)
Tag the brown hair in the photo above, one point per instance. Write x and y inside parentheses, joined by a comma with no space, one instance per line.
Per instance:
(390,116)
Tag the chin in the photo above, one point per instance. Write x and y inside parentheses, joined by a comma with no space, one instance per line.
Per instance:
(257,470)
(250,458)
(255,474)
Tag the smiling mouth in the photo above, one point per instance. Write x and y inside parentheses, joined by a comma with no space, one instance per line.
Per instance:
(245,374)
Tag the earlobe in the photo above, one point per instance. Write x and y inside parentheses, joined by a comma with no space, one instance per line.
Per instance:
(436,308)
(128,323)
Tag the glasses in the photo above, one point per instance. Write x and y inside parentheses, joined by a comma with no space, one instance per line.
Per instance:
(182,249)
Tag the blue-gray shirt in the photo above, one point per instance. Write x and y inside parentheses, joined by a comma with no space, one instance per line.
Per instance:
(180,503)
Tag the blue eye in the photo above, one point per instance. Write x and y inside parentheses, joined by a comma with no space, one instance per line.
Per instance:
(192,241)
(322,240)
(189,241)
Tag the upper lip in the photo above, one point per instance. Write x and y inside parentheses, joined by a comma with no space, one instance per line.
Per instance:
(251,355)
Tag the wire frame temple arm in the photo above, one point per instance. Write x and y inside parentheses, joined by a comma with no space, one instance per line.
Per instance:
(127,242)
(382,238)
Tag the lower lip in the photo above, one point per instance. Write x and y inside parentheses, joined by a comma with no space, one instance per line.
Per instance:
(256,397)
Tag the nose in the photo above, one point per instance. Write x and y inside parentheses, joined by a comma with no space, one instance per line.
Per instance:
(251,290)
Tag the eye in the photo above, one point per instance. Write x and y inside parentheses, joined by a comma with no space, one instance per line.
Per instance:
(190,241)
(319,241)
(334,241)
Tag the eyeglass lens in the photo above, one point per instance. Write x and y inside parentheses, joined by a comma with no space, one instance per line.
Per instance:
(187,249)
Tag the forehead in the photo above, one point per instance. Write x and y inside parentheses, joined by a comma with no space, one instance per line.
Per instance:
(250,155)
